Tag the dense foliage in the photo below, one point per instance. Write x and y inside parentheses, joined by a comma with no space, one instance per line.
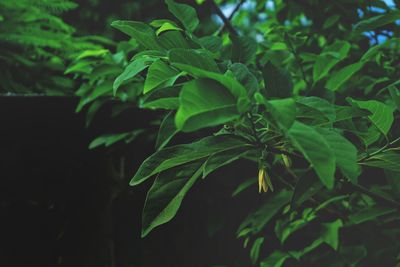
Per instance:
(305,90)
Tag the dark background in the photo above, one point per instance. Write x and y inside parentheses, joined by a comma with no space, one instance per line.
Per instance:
(65,205)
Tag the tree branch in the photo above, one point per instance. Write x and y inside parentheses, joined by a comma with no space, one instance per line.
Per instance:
(231,15)
(225,20)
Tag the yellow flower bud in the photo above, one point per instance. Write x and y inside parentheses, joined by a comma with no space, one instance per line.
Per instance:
(262,185)
(286,161)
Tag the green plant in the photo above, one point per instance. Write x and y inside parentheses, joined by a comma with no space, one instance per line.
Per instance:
(314,107)
(37,45)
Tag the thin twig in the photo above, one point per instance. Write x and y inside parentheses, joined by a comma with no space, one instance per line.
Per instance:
(225,20)
(231,15)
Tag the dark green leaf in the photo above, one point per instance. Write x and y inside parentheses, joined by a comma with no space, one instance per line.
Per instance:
(243,186)
(370,213)
(160,73)
(243,49)
(167,130)
(170,157)
(278,81)
(193,58)
(219,160)
(376,22)
(162,98)
(255,249)
(165,196)
(340,77)
(386,160)
(316,150)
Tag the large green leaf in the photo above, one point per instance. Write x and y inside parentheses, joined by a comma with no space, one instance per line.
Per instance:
(167,130)
(173,39)
(370,213)
(255,249)
(245,77)
(345,153)
(162,98)
(330,233)
(160,73)
(278,81)
(340,77)
(173,156)
(193,58)
(382,115)
(140,31)
(316,150)
(204,103)
(185,14)
(243,49)
(376,22)
(236,89)
(165,196)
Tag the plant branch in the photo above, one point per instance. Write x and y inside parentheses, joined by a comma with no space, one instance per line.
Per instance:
(225,20)
(236,9)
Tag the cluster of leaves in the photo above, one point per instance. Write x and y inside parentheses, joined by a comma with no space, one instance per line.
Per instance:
(36,45)
(314,105)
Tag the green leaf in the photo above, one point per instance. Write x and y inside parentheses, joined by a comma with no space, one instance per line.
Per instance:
(243,186)
(165,26)
(345,153)
(330,233)
(275,259)
(278,81)
(173,156)
(185,14)
(236,89)
(376,22)
(110,139)
(162,98)
(306,187)
(243,49)
(172,40)
(370,213)
(340,77)
(193,58)
(257,220)
(167,130)
(323,65)
(382,115)
(394,93)
(255,249)
(204,103)
(385,160)
(245,77)
(140,31)
(218,160)
(133,68)
(320,105)
(282,110)
(211,43)
(316,150)
(160,73)
(166,194)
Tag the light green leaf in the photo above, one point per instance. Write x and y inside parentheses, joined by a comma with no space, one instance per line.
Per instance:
(185,14)
(255,249)
(345,153)
(140,31)
(340,77)
(160,73)
(165,196)
(276,259)
(316,150)
(382,115)
(322,66)
(282,110)
(173,156)
(204,103)
(330,233)
(167,26)
(167,130)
